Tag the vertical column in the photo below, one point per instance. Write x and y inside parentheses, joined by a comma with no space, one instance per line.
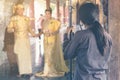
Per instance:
(58,13)
(105,11)
(47,4)
(114,30)
(31,12)
(77,15)
(98,2)
(64,17)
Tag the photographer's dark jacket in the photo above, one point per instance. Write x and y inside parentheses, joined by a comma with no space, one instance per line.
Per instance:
(90,64)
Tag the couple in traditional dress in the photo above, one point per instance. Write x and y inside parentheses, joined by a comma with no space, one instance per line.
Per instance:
(54,61)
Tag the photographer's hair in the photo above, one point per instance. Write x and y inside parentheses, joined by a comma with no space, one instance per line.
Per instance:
(88,12)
